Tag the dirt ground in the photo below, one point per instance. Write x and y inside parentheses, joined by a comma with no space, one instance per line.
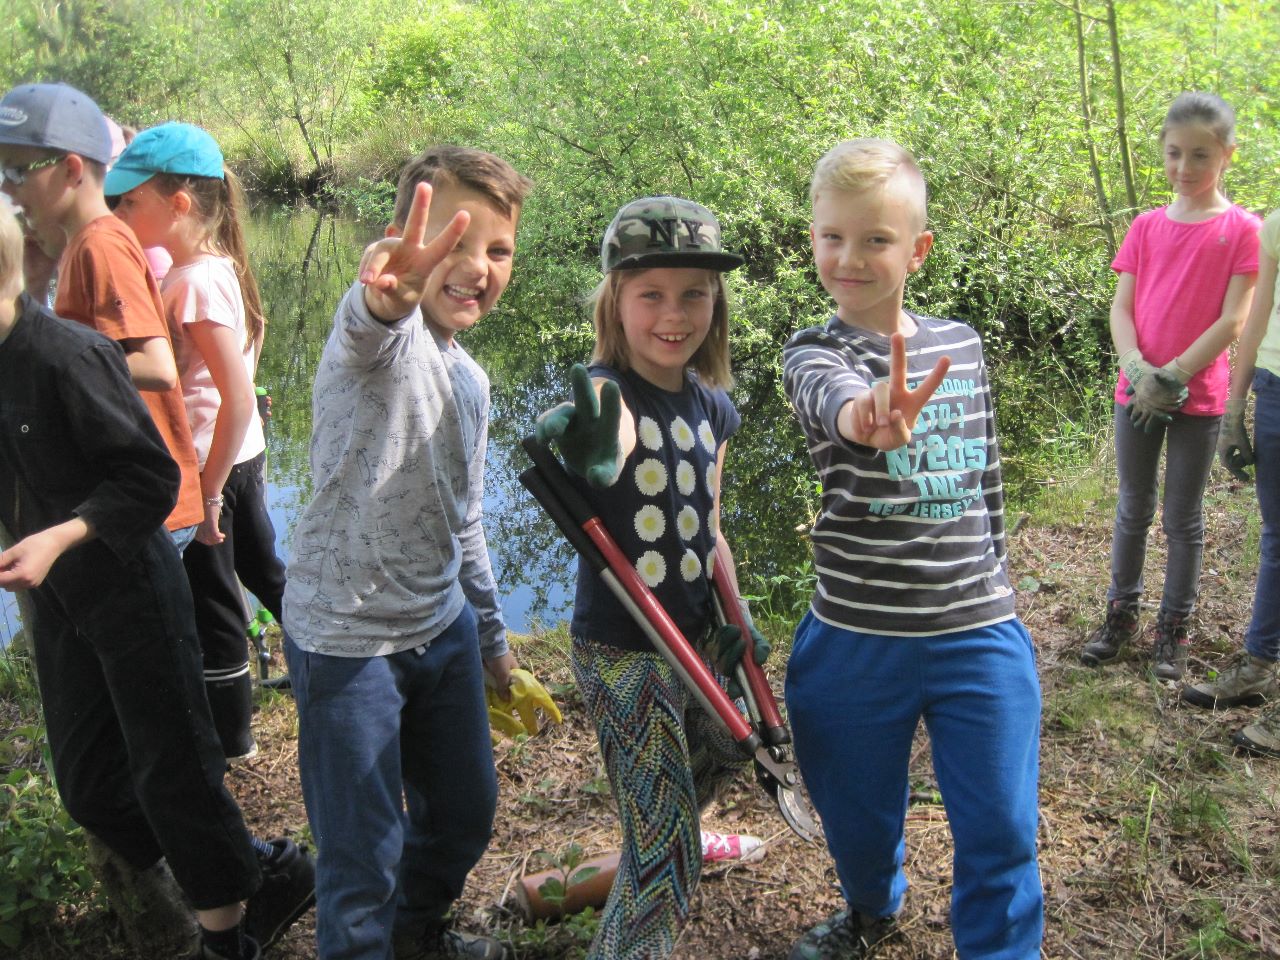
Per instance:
(1156,840)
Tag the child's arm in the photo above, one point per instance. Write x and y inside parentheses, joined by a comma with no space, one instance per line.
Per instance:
(219,345)
(595,431)
(151,364)
(1234,449)
(1223,332)
(884,415)
(25,565)
(394,270)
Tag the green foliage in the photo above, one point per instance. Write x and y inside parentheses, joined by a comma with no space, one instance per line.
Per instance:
(569,937)
(41,856)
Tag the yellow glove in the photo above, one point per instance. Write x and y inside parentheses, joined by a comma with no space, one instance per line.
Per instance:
(520,713)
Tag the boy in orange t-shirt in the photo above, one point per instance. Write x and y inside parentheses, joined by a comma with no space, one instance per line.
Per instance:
(56,141)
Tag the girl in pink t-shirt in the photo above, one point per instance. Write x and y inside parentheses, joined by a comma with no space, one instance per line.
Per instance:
(1186,276)
(177,194)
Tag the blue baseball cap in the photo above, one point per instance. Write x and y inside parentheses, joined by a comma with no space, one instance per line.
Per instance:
(54,116)
(180,148)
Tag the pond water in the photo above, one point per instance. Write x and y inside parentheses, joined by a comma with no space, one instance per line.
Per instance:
(305,260)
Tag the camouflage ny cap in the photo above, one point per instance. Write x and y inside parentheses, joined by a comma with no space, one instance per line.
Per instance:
(664,232)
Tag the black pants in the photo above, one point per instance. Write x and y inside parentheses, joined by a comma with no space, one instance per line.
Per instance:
(135,755)
(248,556)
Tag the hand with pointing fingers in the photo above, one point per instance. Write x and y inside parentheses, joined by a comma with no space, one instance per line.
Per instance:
(883,416)
(394,270)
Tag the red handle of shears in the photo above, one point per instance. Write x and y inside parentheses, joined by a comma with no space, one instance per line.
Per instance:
(774,730)
(576,520)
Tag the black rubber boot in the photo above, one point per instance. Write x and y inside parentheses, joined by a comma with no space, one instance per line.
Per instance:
(230,695)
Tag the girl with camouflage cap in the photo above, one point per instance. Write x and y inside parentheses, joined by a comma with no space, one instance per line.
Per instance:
(645,439)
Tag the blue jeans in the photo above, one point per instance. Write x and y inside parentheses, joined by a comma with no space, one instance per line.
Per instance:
(1263,638)
(855,700)
(1192,442)
(397,774)
(183,536)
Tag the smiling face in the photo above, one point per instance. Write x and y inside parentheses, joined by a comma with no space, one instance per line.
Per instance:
(1194,160)
(865,243)
(467,283)
(665,315)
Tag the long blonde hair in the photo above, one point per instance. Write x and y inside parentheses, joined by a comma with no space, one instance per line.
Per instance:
(710,361)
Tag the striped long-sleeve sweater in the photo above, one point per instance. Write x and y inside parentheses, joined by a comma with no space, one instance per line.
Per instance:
(910,541)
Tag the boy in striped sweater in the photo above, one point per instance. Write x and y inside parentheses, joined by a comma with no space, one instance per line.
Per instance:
(913,615)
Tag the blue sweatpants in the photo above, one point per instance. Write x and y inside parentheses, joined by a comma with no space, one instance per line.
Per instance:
(854,701)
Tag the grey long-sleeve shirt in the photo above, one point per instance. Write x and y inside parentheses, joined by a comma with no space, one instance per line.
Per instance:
(392,543)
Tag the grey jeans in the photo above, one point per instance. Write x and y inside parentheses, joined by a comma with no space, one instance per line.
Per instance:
(1192,442)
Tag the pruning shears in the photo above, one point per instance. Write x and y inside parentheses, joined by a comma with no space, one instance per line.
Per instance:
(762,735)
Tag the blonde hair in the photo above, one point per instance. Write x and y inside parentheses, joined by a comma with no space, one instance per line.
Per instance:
(857,165)
(710,361)
(220,204)
(11,243)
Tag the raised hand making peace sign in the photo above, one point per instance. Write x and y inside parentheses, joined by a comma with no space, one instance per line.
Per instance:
(396,268)
(883,416)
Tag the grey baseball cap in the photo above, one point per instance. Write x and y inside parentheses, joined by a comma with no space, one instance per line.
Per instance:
(665,231)
(54,116)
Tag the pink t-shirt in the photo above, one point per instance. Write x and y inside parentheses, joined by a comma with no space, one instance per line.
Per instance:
(1181,273)
(208,289)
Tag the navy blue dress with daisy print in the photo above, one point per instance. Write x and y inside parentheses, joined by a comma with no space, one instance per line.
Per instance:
(661,509)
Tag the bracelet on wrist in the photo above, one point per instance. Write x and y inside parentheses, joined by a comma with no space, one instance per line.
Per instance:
(213,501)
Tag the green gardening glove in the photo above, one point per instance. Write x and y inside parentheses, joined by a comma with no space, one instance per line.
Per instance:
(586,430)
(1135,367)
(725,648)
(1161,390)
(1142,416)
(1234,449)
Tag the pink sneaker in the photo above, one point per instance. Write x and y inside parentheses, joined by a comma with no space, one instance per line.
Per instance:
(731,846)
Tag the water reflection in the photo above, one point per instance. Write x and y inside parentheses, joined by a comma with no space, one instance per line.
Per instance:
(306,259)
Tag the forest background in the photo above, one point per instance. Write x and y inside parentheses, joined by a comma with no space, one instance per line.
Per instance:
(1036,123)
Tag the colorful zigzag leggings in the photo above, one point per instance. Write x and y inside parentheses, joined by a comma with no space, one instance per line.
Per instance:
(666,759)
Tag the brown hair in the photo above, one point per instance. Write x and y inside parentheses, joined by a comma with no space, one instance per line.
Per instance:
(11,243)
(710,360)
(220,205)
(478,170)
(1207,110)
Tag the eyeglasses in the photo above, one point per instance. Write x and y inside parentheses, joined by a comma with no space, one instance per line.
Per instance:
(18,175)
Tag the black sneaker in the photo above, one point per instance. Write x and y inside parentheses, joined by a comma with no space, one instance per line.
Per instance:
(846,936)
(1106,642)
(249,951)
(288,891)
(448,944)
(1172,645)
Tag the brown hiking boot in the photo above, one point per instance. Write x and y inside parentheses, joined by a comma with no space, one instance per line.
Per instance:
(1247,681)
(1172,644)
(1263,737)
(1108,639)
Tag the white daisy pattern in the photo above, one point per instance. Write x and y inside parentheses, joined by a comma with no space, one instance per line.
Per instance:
(711,478)
(651,477)
(649,433)
(686,478)
(706,437)
(650,523)
(652,568)
(690,567)
(687,523)
(711,563)
(682,434)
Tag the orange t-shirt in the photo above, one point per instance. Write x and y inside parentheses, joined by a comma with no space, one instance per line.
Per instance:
(104,283)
